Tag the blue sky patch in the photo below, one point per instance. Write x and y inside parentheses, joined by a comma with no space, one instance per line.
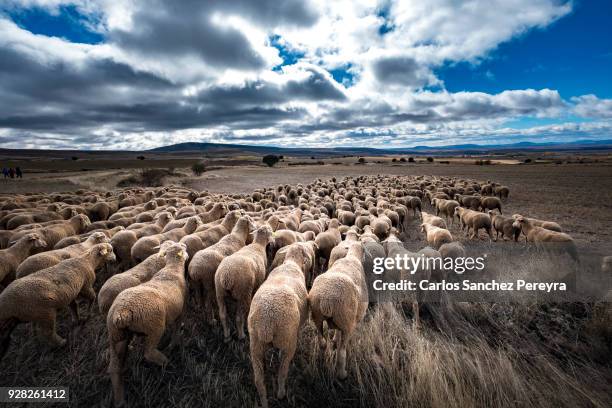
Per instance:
(288,55)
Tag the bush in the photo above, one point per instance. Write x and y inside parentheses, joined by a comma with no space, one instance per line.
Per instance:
(430,159)
(198,168)
(312,157)
(402,159)
(361,160)
(146,178)
(281,157)
(74,158)
(394,160)
(411,160)
(527,161)
(140,157)
(270,160)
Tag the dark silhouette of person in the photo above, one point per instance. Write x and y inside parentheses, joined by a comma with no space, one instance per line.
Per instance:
(12,172)
(18,172)
(5,172)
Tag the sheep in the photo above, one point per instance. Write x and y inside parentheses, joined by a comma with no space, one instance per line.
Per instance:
(147,246)
(542,237)
(340,250)
(203,239)
(446,208)
(503,225)
(124,241)
(219,210)
(490,203)
(471,202)
(474,220)
(47,259)
(326,241)
(381,225)
(239,275)
(549,225)
(77,239)
(340,298)
(436,236)
(52,234)
(12,257)
(452,250)
(433,220)
(278,310)
(146,309)
(502,192)
(38,297)
(140,273)
(204,265)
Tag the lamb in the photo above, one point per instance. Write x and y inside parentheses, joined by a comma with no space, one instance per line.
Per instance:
(38,297)
(490,203)
(436,236)
(11,257)
(44,260)
(147,246)
(474,220)
(340,298)
(140,273)
(503,225)
(146,309)
(544,238)
(204,265)
(239,276)
(326,241)
(278,311)
(433,220)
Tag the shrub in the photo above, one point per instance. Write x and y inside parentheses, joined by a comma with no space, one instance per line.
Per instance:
(527,160)
(74,158)
(430,159)
(361,160)
(410,159)
(198,168)
(281,157)
(312,157)
(270,160)
(140,157)
(394,160)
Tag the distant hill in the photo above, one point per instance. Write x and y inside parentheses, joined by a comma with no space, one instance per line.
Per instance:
(219,148)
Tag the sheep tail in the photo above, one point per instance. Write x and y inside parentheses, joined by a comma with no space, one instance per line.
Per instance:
(6,329)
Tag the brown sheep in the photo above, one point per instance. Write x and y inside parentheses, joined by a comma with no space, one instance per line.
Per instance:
(52,234)
(146,309)
(549,225)
(433,220)
(326,241)
(436,236)
(149,245)
(203,239)
(446,208)
(547,239)
(503,225)
(239,275)
(38,297)
(474,220)
(490,203)
(502,192)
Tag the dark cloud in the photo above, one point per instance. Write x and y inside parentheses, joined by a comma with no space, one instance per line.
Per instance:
(402,70)
(172,28)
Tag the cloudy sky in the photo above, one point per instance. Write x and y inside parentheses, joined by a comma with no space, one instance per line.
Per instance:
(137,74)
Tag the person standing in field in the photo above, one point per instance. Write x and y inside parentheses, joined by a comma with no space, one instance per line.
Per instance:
(5,172)
(18,172)
(12,172)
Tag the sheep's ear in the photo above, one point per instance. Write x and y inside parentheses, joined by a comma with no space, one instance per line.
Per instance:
(103,251)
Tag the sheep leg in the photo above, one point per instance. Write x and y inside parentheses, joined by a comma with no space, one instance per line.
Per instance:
(74,310)
(257,361)
(341,355)
(318,321)
(118,352)
(283,370)
(48,330)
(152,354)
(242,311)
(223,313)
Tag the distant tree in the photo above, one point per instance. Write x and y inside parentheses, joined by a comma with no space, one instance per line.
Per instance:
(312,158)
(430,159)
(361,160)
(411,160)
(270,160)
(198,168)
(281,157)
(527,161)
(403,159)
(75,158)
(394,160)
(140,157)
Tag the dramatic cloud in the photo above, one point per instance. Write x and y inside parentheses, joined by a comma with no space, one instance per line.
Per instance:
(290,72)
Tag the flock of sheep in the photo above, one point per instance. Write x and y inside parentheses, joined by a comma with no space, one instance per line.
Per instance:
(279,254)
